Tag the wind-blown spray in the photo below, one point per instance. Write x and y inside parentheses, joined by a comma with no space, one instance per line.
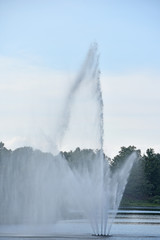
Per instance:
(37,188)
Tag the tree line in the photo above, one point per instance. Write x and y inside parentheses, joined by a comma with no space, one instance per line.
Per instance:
(143,183)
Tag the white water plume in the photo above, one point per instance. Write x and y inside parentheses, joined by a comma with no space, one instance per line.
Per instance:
(89,75)
(40,188)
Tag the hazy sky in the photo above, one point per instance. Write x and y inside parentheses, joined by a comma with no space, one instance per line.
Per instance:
(42,47)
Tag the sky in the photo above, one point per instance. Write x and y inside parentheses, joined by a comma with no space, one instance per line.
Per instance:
(43,44)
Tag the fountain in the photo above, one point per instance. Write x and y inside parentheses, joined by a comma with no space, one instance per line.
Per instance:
(39,188)
(106,191)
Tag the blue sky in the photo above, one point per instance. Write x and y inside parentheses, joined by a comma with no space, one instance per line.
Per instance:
(59,32)
(43,39)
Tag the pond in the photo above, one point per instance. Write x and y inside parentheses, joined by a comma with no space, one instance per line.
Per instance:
(129,225)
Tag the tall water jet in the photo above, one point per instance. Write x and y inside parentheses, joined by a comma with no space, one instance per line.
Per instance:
(39,188)
(108,187)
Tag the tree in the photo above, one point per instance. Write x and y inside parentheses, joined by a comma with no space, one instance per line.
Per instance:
(1,145)
(134,188)
(152,172)
(124,153)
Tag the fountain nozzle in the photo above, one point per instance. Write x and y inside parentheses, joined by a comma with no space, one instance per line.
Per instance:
(101,235)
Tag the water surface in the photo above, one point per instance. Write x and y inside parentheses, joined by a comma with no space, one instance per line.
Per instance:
(128,225)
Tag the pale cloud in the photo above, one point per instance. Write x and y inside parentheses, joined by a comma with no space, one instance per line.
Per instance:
(131,110)
(32,98)
(15,142)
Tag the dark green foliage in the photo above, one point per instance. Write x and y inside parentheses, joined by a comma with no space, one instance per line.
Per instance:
(152,172)
(144,180)
(4,152)
(156,199)
(135,186)
(136,189)
(1,145)
(124,153)
(81,159)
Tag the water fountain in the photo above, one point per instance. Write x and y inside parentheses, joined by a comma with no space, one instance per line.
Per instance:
(38,188)
(108,190)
